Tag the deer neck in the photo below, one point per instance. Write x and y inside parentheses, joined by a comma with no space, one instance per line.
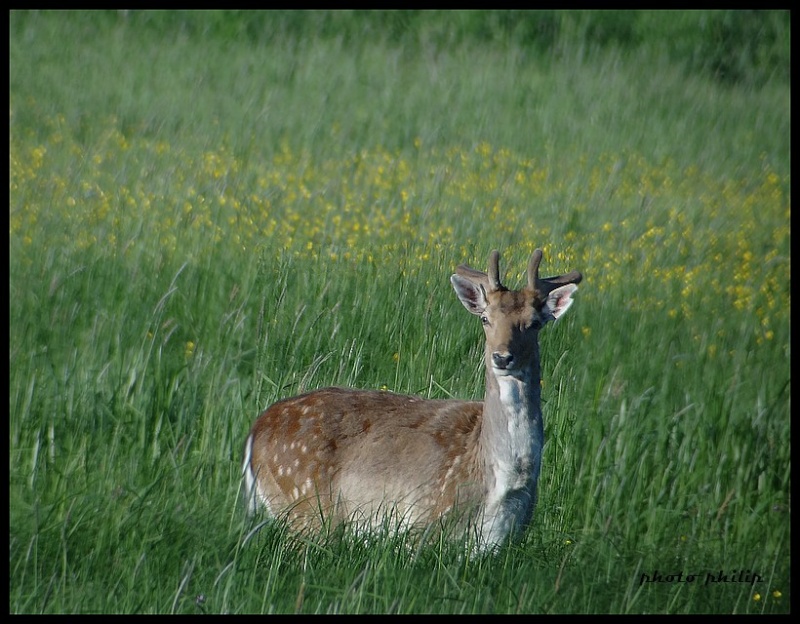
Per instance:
(512,399)
(512,437)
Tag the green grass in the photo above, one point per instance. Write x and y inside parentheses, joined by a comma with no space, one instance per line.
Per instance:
(203,220)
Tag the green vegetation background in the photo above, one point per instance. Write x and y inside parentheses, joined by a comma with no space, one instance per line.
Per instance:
(211,210)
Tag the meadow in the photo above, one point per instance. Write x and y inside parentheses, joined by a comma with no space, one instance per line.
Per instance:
(203,220)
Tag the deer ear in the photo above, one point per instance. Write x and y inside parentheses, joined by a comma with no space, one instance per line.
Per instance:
(559,300)
(470,294)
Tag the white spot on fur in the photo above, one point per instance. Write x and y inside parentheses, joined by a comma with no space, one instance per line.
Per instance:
(451,471)
(307,487)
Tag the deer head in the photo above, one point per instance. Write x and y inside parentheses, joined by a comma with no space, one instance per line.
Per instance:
(512,318)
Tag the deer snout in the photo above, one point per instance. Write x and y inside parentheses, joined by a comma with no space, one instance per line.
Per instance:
(502,361)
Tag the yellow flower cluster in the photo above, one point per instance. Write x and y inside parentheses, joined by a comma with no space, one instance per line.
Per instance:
(668,238)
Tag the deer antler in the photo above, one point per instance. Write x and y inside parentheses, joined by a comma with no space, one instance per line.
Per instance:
(545,285)
(533,269)
(490,281)
(494,270)
(542,285)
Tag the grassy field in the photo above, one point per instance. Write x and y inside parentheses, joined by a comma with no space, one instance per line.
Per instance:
(206,214)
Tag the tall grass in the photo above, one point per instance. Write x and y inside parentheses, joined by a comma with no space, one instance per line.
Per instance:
(201,223)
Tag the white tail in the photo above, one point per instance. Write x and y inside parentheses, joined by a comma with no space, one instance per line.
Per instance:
(343,454)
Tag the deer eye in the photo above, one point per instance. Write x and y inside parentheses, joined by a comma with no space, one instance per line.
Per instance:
(485,319)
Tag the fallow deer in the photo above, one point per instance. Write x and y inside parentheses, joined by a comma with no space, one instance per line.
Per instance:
(345,454)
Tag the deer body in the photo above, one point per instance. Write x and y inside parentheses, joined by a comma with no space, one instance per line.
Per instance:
(359,455)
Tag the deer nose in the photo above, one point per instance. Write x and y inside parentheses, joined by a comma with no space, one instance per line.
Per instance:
(502,360)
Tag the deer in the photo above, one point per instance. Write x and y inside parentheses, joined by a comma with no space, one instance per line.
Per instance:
(341,454)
